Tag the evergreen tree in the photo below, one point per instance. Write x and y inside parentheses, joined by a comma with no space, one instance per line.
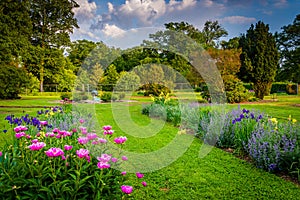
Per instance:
(259,58)
(289,44)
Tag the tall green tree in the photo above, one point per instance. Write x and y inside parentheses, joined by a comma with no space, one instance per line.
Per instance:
(259,58)
(52,22)
(289,45)
(212,32)
(15,30)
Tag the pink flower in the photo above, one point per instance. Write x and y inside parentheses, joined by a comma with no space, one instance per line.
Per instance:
(68,147)
(20,134)
(74,130)
(20,128)
(38,134)
(107,127)
(102,140)
(54,152)
(120,140)
(114,160)
(83,130)
(144,183)
(104,158)
(81,121)
(139,175)
(127,189)
(95,142)
(103,165)
(34,141)
(58,136)
(123,173)
(82,153)
(50,134)
(56,130)
(124,158)
(91,136)
(108,132)
(28,136)
(63,157)
(82,140)
(43,123)
(1,153)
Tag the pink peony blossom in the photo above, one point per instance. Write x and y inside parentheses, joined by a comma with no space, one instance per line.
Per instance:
(107,127)
(124,158)
(81,121)
(123,173)
(82,153)
(144,183)
(102,140)
(20,128)
(83,140)
(54,152)
(126,189)
(43,123)
(56,130)
(91,136)
(139,175)
(34,141)
(103,165)
(20,134)
(120,140)
(1,153)
(28,136)
(108,132)
(104,158)
(114,160)
(68,147)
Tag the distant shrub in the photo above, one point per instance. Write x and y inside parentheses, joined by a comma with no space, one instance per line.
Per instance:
(106,96)
(12,80)
(65,95)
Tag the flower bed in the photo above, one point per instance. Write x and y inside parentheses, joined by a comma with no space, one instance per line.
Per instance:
(58,155)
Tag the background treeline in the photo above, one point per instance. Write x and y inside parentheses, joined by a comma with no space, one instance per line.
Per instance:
(36,54)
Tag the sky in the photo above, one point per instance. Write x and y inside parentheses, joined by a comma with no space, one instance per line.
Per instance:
(125,24)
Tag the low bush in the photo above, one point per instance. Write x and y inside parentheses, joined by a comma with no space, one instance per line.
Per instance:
(65,95)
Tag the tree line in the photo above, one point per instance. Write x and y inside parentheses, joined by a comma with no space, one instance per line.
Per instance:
(35,50)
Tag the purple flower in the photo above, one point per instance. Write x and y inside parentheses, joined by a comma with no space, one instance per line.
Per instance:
(126,189)
(114,160)
(37,146)
(102,140)
(4,131)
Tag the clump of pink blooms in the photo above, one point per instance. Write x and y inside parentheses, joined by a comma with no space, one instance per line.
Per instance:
(120,140)
(36,146)
(20,128)
(54,152)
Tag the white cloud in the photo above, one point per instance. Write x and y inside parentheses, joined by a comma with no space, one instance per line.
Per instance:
(113,31)
(110,7)
(238,20)
(86,10)
(280,3)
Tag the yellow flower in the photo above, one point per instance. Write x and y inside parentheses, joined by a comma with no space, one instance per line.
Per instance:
(274,120)
(294,120)
(51,113)
(290,117)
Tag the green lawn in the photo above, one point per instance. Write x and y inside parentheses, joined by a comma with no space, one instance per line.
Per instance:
(219,175)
